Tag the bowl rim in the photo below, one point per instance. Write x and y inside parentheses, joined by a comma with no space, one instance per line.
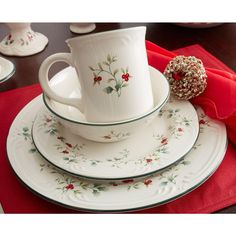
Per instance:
(87,123)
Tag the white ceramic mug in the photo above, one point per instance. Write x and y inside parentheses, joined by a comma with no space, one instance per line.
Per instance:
(113,72)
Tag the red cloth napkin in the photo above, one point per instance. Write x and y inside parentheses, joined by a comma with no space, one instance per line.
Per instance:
(216,193)
(218,100)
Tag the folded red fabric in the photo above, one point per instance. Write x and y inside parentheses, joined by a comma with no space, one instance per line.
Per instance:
(216,193)
(218,100)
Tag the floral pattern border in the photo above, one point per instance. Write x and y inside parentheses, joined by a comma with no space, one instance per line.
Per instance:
(65,184)
(73,153)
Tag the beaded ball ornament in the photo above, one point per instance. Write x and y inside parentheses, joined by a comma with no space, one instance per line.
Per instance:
(187,77)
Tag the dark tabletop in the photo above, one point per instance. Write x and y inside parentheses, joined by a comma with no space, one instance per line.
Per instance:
(219,40)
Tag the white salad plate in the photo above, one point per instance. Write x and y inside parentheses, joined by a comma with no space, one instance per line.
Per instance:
(113,196)
(163,142)
(7,69)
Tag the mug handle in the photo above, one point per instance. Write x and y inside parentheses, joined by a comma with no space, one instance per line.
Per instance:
(43,79)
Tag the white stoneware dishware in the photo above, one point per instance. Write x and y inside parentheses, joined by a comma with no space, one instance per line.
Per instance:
(82,28)
(113,73)
(22,40)
(75,122)
(165,141)
(7,69)
(113,196)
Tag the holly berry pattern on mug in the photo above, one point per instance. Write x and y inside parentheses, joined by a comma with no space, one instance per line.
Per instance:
(116,78)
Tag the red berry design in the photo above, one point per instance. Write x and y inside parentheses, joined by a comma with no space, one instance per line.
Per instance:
(180,129)
(148,160)
(97,78)
(164,141)
(65,152)
(125,77)
(70,186)
(126,181)
(69,145)
(202,122)
(147,182)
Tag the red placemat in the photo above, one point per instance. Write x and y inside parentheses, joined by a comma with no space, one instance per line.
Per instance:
(216,193)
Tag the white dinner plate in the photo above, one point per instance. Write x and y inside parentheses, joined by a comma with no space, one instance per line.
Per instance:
(113,196)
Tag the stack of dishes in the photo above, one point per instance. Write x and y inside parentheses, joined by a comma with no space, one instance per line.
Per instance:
(155,158)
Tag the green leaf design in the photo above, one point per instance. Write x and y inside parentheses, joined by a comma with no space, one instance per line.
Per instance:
(186,162)
(123,71)
(164,183)
(114,59)
(115,72)
(91,68)
(84,185)
(105,63)
(124,85)
(100,66)
(110,80)
(118,87)
(32,150)
(98,188)
(109,58)
(25,129)
(108,90)
(77,192)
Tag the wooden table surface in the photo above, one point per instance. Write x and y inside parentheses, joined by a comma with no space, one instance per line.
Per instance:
(220,41)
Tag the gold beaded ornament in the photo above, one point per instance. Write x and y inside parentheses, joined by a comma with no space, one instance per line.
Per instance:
(187,77)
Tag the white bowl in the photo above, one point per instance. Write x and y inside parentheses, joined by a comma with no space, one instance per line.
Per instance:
(66,83)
